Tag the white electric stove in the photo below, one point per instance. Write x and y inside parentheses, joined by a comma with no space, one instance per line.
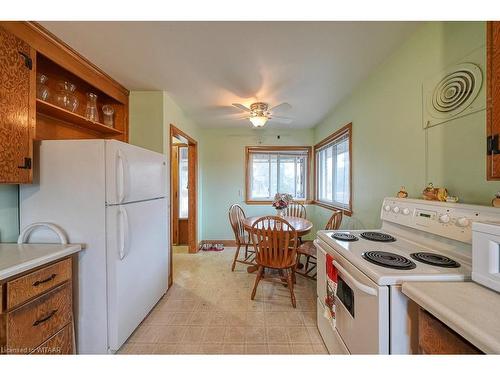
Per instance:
(418,241)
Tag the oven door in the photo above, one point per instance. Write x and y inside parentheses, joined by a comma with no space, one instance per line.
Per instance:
(362,308)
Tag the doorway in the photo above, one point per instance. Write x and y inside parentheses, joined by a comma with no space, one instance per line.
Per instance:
(183,192)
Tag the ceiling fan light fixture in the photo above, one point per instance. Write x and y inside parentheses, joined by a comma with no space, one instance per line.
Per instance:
(258,121)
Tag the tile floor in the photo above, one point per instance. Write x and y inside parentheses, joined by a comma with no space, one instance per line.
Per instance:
(208,311)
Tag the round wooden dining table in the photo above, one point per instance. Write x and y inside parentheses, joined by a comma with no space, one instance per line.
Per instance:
(302,226)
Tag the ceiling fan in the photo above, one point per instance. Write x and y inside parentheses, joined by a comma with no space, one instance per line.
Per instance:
(259,113)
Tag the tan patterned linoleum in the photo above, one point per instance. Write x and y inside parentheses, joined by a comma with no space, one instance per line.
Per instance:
(208,311)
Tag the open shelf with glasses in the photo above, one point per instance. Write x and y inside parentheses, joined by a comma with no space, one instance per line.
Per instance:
(47,109)
(56,122)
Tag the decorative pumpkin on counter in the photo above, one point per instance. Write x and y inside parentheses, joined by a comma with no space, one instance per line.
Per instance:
(402,193)
(496,201)
(432,193)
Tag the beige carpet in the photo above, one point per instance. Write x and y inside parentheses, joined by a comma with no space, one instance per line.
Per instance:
(208,311)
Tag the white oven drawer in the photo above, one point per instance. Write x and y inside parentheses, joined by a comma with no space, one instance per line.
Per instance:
(362,306)
(330,337)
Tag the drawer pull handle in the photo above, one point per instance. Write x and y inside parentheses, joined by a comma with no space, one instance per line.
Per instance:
(39,321)
(50,278)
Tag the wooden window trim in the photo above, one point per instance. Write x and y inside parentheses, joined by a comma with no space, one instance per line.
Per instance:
(347,129)
(248,149)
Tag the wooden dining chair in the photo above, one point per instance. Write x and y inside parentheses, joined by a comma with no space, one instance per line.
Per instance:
(295,209)
(275,242)
(236,216)
(309,251)
(335,220)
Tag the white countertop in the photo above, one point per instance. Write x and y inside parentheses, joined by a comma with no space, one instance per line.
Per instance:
(15,259)
(471,310)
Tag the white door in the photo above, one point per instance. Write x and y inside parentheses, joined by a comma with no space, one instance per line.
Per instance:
(137,258)
(133,173)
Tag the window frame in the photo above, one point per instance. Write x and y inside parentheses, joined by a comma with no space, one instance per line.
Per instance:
(343,131)
(248,151)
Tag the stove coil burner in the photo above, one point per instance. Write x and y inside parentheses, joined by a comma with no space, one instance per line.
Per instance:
(389,260)
(378,236)
(341,236)
(435,260)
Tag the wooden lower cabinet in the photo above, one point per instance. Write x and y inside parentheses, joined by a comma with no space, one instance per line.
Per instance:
(60,343)
(41,320)
(36,283)
(434,337)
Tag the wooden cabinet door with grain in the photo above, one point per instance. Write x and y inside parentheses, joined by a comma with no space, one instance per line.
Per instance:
(493,101)
(17,108)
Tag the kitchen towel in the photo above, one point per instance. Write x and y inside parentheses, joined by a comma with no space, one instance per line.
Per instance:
(331,289)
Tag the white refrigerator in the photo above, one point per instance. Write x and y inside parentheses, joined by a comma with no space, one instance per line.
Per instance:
(110,196)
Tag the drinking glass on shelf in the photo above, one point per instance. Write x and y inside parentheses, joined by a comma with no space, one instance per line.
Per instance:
(91,112)
(108,112)
(66,97)
(42,90)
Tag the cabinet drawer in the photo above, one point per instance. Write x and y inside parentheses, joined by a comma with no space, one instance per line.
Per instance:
(60,343)
(33,323)
(34,284)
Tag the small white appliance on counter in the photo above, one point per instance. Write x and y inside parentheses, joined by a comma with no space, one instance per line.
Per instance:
(110,196)
(486,254)
(419,241)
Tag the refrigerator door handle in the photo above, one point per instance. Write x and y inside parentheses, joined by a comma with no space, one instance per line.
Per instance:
(124,235)
(121,176)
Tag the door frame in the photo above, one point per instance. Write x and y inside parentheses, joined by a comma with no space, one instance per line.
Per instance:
(192,145)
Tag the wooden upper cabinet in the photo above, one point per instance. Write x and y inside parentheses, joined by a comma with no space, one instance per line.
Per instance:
(17,81)
(27,50)
(493,101)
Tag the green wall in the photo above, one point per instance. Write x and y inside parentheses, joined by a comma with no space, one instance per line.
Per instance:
(224,172)
(151,113)
(146,119)
(390,146)
(9,213)
(174,115)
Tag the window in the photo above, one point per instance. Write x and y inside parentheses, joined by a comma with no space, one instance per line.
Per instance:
(332,159)
(272,170)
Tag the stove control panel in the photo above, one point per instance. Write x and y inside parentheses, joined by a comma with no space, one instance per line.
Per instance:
(450,220)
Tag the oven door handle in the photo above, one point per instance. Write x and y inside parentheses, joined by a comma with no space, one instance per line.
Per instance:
(364,288)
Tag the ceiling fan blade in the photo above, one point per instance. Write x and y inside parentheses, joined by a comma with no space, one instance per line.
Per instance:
(281,107)
(281,120)
(241,106)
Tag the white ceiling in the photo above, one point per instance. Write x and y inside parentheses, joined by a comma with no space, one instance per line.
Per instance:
(206,66)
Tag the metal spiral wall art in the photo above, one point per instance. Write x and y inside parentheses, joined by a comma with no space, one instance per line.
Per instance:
(452,94)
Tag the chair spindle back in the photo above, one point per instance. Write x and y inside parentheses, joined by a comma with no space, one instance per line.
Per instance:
(334,221)
(296,209)
(236,216)
(275,241)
